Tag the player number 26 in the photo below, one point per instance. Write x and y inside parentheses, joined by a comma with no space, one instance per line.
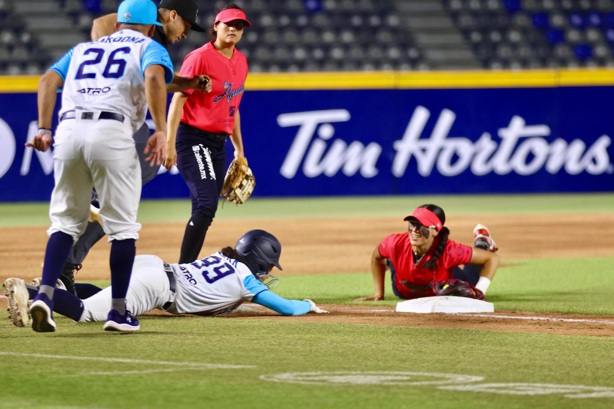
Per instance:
(114,65)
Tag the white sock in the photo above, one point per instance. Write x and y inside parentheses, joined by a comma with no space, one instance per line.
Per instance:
(483,284)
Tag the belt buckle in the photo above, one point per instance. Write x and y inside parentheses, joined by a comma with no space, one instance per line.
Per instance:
(87,115)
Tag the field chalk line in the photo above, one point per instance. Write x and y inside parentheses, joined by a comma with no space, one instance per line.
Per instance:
(129,361)
(509,317)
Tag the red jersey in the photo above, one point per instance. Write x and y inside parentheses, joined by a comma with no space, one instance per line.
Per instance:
(215,111)
(398,249)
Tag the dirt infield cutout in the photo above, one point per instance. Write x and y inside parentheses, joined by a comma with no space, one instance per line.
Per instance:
(328,246)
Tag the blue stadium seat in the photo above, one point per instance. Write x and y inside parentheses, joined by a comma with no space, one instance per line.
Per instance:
(555,36)
(540,20)
(576,20)
(595,19)
(513,6)
(583,51)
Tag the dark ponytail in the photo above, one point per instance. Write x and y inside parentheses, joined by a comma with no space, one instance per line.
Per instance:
(232,253)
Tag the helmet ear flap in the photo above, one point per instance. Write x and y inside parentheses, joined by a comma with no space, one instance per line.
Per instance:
(252,263)
(261,250)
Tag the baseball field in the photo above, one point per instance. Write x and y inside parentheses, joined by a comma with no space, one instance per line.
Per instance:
(549,343)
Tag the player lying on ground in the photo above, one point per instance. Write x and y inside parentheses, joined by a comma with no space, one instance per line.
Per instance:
(423,260)
(216,284)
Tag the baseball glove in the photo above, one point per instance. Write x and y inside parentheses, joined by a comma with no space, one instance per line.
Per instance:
(239,182)
(457,288)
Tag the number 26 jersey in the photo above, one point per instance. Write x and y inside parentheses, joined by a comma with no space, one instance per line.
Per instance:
(108,74)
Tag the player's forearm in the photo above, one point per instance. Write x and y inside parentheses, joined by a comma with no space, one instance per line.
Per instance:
(179,84)
(237,138)
(378,270)
(379,273)
(155,92)
(46,98)
(174,117)
(281,305)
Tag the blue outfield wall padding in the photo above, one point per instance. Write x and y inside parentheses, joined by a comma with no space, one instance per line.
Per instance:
(381,142)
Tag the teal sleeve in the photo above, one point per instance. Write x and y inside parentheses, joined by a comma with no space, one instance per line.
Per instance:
(281,305)
(61,66)
(155,54)
(253,285)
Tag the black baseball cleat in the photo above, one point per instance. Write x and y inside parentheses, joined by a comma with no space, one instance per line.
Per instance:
(68,276)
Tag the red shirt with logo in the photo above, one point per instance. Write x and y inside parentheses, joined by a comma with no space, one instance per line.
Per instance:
(398,249)
(215,111)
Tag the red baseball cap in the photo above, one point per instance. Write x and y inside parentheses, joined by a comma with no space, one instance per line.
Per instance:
(228,15)
(425,217)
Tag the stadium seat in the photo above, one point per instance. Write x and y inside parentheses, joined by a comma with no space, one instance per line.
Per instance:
(576,20)
(512,6)
(583,51)
(540,20)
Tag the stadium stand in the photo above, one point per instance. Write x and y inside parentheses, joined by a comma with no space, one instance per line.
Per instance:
(349,35)
(537,33)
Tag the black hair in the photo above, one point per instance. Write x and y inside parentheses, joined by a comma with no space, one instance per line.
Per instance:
(211,31)
(232,253)
(443,235)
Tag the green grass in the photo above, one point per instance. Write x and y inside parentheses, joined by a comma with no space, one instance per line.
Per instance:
(574,286)
(168,364)
(196,362)
(32,214)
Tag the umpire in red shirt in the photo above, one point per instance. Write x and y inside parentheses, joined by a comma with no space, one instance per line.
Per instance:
(199,123)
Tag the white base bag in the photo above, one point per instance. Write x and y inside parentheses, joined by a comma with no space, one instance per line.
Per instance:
(445,304)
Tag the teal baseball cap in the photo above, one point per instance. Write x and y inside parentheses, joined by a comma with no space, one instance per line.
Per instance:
(138,12)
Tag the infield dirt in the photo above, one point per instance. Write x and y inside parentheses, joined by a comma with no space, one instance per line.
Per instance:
(328,246)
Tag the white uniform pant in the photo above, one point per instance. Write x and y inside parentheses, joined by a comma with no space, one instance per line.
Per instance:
(149,289)
(95,153)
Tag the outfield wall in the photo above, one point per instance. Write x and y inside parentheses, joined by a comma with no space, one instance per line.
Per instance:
(383,133)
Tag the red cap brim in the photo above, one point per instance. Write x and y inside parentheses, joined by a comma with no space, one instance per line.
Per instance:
(228,15)
(425,217)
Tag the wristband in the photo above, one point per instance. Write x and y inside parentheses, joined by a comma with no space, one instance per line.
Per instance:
(44,131)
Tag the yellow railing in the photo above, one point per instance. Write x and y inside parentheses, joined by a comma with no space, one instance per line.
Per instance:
(393,80)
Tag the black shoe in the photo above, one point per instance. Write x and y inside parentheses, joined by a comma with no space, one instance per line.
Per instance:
(68,276)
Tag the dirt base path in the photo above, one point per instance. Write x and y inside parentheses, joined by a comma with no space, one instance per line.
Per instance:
(328,246)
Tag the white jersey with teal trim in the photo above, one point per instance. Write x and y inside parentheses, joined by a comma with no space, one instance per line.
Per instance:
(108,74)
(214,285)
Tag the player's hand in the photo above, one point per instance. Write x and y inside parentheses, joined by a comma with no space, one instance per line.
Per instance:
(372,298)
(171,156)
(156,147)
(41,142)
(315,308)
(203,83)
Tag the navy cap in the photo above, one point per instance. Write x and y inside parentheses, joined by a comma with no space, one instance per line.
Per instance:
(187,9)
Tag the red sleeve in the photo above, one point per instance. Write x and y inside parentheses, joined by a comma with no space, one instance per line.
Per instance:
(457,253)
(386,247)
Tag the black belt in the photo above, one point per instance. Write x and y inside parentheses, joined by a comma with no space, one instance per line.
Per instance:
(172,283)
(218,137)
(90,115)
